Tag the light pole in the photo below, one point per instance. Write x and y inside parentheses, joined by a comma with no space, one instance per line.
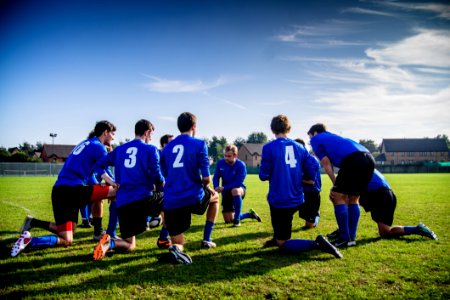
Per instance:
(53,135)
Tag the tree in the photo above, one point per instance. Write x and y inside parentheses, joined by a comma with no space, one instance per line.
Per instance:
(445,137)
(370,145)
(4,155)
(257,138)
(239,142)
(216,146)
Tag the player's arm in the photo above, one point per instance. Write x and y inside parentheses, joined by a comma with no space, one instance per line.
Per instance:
(328,167)
(266,165)
(101,167)
(216,179)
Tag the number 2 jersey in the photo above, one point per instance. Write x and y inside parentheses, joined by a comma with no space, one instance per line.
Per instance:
(184,162)
(79,165)
(284,162)
(136,168)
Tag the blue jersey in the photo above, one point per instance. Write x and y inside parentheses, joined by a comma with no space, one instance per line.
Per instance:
(184,162)
(317,186)
(137,170)
(233,176)
(378,181)
(334,147)
(284,162)
(79,165)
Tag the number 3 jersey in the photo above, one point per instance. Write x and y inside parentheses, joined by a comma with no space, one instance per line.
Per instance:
(136,169)
(184,162)
(79,165)
(283,163)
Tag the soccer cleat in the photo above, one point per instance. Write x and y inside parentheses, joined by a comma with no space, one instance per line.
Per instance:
(351,243)
(85,224)
(254,215)
(26,226)
(163,244)
(425,231)
(270,243)
(102,247)
(344,243)
(333,236)
(236,223)
(178,256)
(21,243)
(98,237)
(208,244)
(326,246)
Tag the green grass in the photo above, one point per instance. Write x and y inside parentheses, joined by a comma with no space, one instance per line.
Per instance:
(408,267)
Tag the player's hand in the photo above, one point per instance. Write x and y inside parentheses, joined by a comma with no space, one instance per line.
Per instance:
(219,189)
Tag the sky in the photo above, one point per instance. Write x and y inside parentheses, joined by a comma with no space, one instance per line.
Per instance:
(367,69)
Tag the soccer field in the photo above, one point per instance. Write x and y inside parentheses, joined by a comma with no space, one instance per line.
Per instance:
(408,267)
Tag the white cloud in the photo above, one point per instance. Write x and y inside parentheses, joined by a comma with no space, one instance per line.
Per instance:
(162,85)
(442,10)
(427,48)
(359,10)
(167,118)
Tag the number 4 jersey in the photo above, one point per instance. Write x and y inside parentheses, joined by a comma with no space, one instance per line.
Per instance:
(283,163)
(184,162)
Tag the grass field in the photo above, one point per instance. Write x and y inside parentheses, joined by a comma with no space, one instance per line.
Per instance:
(409,267)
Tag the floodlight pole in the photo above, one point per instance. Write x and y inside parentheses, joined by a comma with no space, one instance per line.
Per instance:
(52,135)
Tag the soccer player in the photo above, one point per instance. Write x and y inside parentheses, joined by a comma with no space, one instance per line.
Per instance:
(379,199)
(284,162)
(163,241)
(356,166)
(309,211)
(232,171)
(185,164)
(71,192)
(137,173)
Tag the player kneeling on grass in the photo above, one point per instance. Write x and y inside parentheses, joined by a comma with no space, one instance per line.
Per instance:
(233,173)
(71,192)
(137,172)
(283,162)
(380,201)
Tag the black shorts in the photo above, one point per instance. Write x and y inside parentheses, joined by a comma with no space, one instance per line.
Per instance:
(133,216)
(381,204)
(309,210)
(67,200)
(282,221)
(227,201)
(355,173)
(178,220)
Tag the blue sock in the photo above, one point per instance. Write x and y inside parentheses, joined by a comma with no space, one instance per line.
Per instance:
(84,212)
(164,234)
(237,203)
(298,246)
(341,213)
(113,219)
(112,244)
(353,220)
(208,231)
(411,230)
(44,241)
(245,216)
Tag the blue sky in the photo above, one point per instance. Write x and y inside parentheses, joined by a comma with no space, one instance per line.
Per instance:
(368,69)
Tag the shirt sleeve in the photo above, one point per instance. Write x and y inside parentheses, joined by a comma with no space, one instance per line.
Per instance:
(266,165)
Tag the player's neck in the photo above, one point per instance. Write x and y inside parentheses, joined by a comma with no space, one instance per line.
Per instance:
(281,135)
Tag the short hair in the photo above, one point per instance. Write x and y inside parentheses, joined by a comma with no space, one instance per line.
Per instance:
(142,126)
(165,139)
(280,124)
(231,148)
(101,126)
(185,121)
(319,128)
(301,141)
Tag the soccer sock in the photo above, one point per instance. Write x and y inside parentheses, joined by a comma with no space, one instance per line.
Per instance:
(113,219)
(237,203)
(298,246)
(411,230)
(44,241)
(164,234)
(208,231)
(353,220)
(35,223)
(112,244)
(97,222)
(245,216)
(84,212)
(341,213)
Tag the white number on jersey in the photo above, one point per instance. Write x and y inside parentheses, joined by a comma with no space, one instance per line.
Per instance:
(290,156)
(131,161)
(179,149)
(80,148)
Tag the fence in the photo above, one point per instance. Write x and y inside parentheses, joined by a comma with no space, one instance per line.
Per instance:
(30,169)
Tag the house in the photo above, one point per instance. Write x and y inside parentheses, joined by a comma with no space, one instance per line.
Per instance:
(250,154)
(56,153)
(412,151)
